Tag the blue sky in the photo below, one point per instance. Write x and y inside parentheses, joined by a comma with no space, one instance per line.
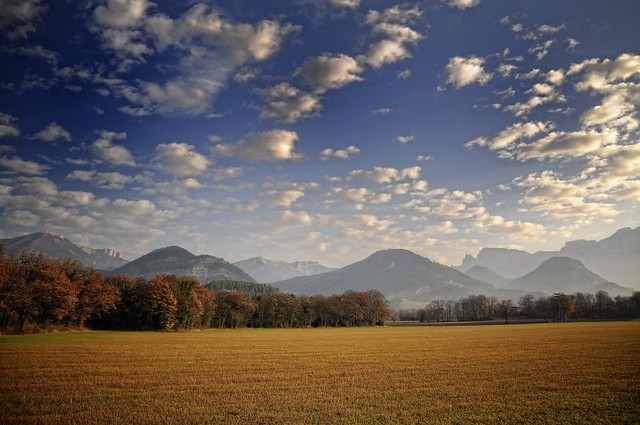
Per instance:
(319,129)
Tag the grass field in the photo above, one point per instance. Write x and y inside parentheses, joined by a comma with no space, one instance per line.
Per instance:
(538,373)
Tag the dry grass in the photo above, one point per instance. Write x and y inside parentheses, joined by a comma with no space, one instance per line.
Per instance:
(540,373)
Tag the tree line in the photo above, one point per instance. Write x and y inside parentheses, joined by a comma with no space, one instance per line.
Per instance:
(37,292)
(556,308)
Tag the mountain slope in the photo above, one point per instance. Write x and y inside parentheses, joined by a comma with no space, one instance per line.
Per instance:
(267,271)
(179,261)
(485,274)
(564,274)
(615,258)
(400,275)
(57,246)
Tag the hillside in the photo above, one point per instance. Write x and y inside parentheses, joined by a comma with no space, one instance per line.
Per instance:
(179,261)
(485,274)
(254,289)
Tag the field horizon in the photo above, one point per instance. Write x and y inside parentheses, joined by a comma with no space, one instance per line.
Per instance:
(534,373)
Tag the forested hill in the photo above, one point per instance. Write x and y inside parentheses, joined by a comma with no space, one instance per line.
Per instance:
(240,286)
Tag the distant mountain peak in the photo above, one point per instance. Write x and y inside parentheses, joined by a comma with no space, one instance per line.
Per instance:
(565,274)
(615,258)
(266,270)
(401,275)
(55,245)
(49,232)
(179,261)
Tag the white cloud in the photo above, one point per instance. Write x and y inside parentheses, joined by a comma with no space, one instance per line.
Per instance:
(350,4)
(369,221)
(8,126)
(288,104)
(556,77)
(293,218)
(461,71)
(387,175)
(462,4)
(609,113)
(329,153)
(443,228)
(121,13)
(505,69)
(18,17)
(405,139)
(272,145)
(558,144)
(393,24)
(225,173)
(382,111)
(209,47)
(515,230)
(354,195)
(512,134)
(105,150)
(277,198)
(385,52)
(52,132)
(326,72)
(602,74)
(541,50)
(102,180)
(180,159)
(404,74)
(20,166)
(560,199)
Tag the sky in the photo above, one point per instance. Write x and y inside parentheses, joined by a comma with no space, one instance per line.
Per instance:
(319,129)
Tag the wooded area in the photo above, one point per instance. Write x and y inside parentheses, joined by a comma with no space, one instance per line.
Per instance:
(37,292)
(556,308)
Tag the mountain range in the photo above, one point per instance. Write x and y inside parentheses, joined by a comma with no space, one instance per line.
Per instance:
(57,246)
(405,278)
(267,271)
(564,274)
(615,258)
(179,261)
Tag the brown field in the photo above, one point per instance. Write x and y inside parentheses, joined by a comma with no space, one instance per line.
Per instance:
(537,373)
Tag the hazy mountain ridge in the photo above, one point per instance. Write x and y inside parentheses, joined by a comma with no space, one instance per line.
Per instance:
(57,246)
(485,274)
(615,258)
(401,275)
(568,275)
(268,271)
(179,261)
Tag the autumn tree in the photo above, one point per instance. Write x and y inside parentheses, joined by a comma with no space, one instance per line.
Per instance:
(234,309)
(96,296)
(561,306)
(189,308)
(49,295)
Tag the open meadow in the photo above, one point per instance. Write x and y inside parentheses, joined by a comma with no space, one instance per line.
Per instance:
(534,373)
